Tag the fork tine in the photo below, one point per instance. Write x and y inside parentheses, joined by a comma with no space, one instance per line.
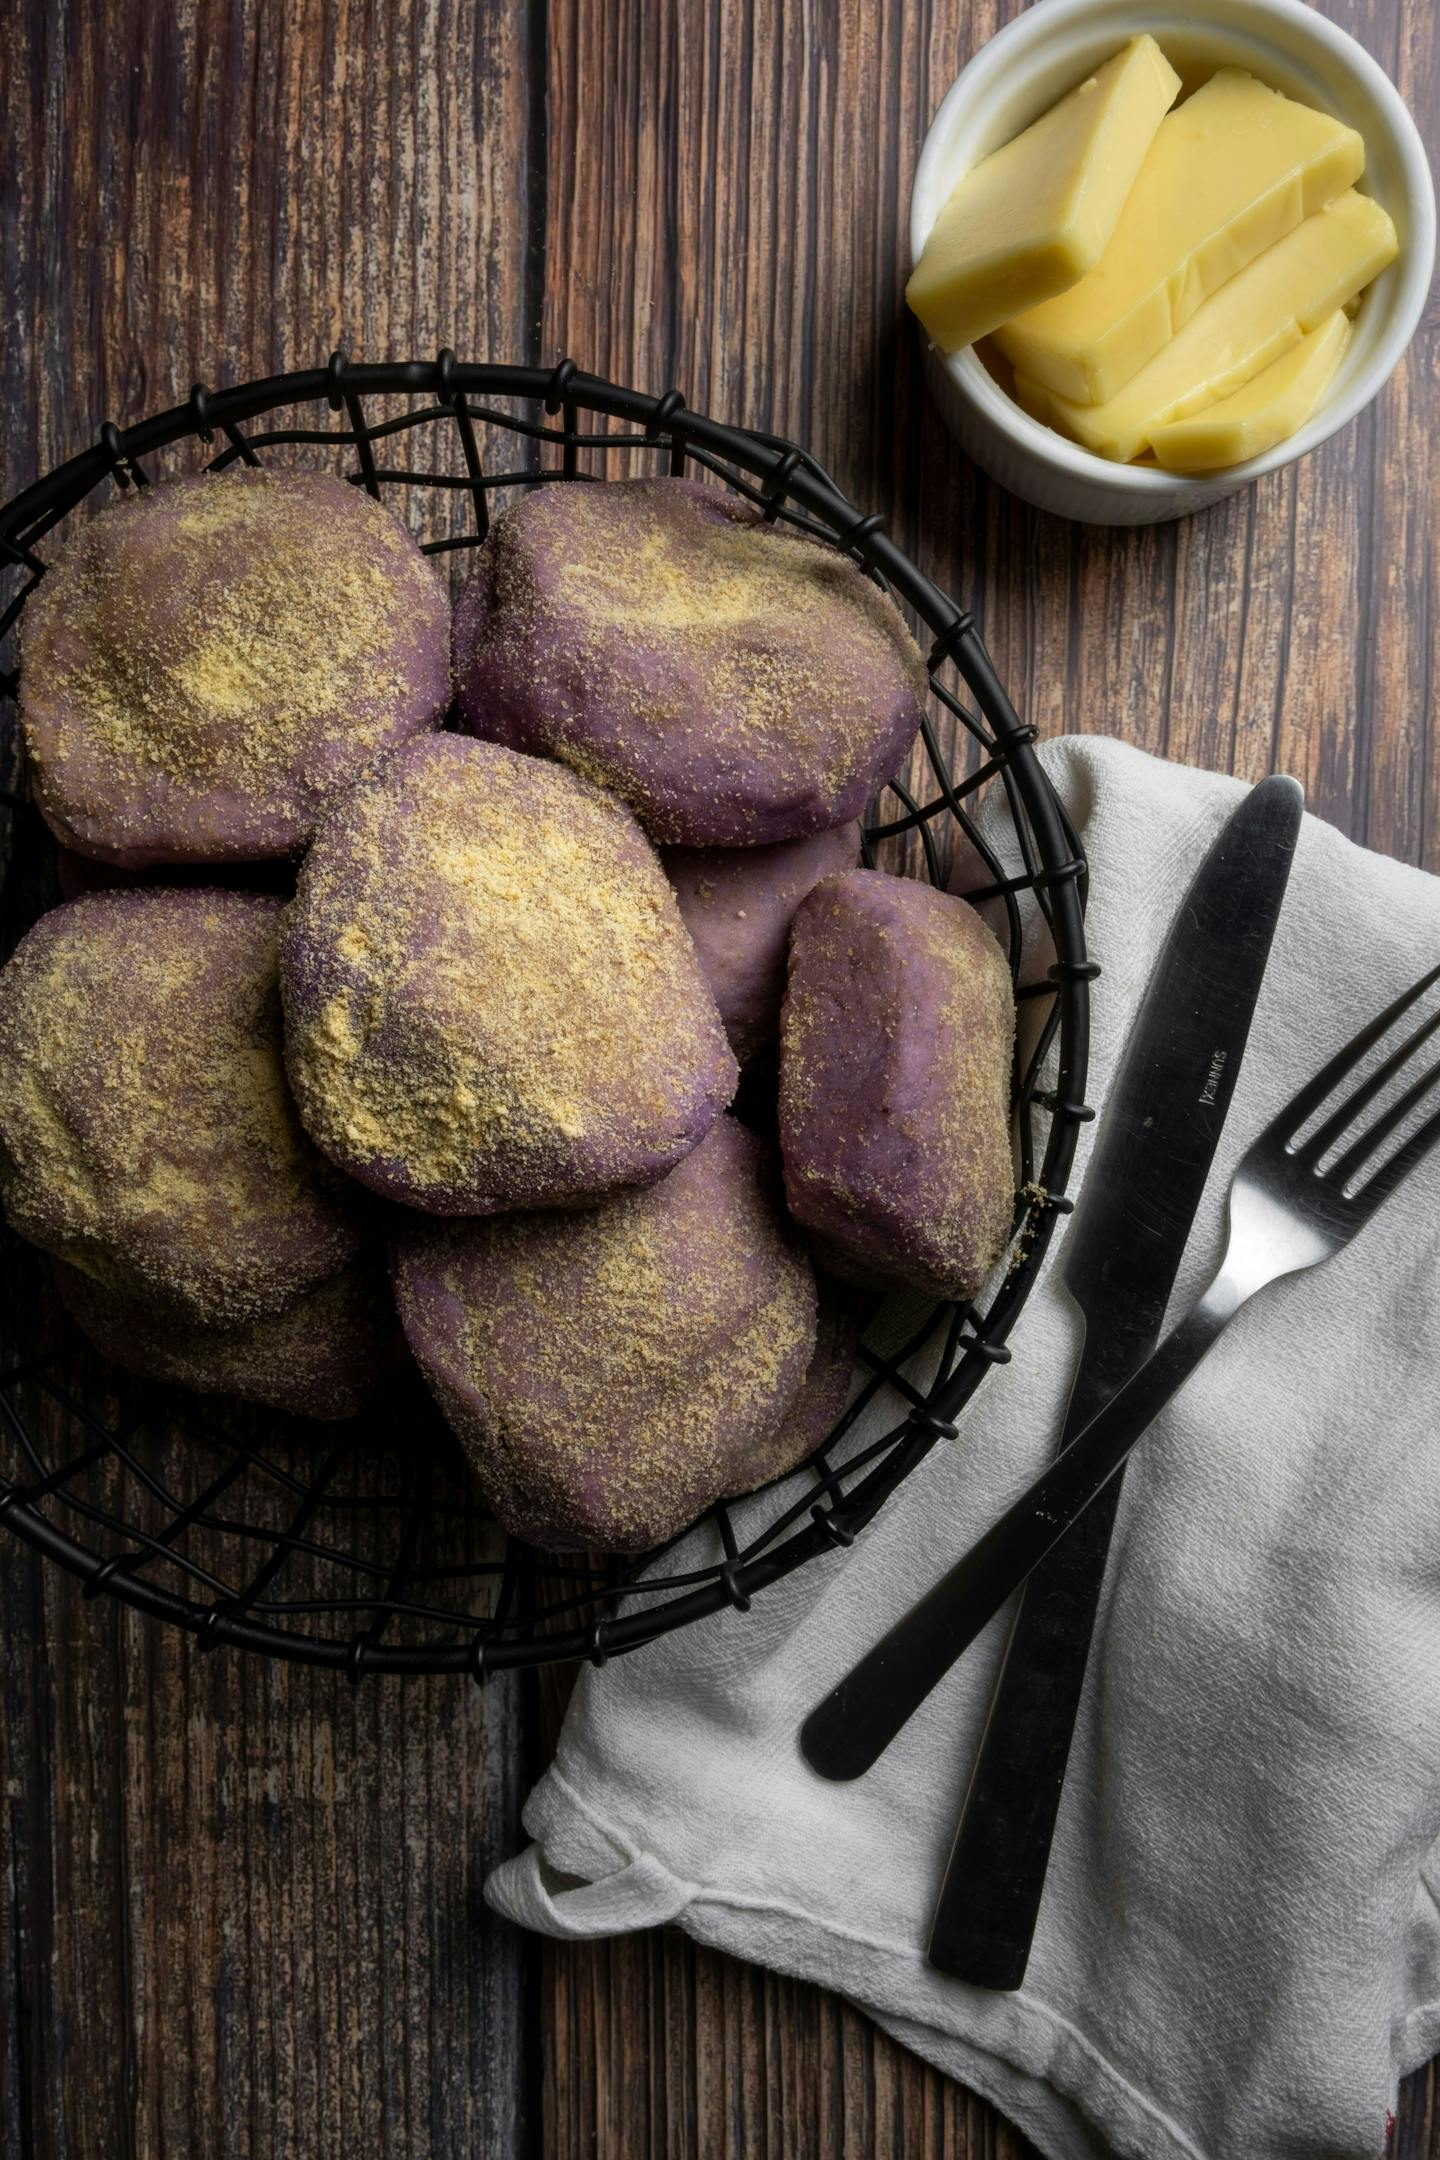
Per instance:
(1374,1136)
(1327,1134)
(1401,1163)
(1299,1111)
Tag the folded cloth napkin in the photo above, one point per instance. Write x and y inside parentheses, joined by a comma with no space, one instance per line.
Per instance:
(1239,1949)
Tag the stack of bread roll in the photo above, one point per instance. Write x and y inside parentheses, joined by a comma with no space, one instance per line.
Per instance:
(402,1000)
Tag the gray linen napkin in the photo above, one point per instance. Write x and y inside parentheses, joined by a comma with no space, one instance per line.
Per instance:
(1239,1950)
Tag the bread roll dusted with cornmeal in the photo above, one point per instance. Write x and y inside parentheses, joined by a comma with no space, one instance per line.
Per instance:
(213,659)
(490,998)
(736,683)
(323,1356)
(146,1133)
(896,1038)
(612,1373)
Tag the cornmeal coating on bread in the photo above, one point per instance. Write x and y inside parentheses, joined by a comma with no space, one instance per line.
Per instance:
(211,660)
(490,998)
(146,1132)
(611,1373)
(736,682)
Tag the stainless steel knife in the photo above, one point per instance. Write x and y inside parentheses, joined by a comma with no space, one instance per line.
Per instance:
(1166,1110)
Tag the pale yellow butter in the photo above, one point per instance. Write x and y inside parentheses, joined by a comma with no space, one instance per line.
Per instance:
(1248,323)
(1032,397)
(1034,216)
(1268,409)
(1229,173)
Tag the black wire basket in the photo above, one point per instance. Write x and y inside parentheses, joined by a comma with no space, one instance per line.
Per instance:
(365,1547)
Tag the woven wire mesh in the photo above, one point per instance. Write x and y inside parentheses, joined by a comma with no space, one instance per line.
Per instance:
(366,1546)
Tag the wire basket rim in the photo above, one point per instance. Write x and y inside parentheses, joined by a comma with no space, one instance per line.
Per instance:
(786,481)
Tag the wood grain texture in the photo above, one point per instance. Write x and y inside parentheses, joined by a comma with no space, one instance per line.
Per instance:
(239,1906)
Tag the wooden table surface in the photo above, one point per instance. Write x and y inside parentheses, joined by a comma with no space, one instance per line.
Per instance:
(239,1903)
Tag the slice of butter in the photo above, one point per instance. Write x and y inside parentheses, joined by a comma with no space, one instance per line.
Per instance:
(1270,407)
(1230,172)
(1251,321)
(1033,217)
(1032,397)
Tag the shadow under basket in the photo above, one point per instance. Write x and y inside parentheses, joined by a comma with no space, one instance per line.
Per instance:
(365,1546)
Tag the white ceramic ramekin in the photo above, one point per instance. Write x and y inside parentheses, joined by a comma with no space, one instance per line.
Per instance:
(1032,62)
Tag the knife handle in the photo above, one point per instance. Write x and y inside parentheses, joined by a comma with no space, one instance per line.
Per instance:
(989,1902)
(985,1915)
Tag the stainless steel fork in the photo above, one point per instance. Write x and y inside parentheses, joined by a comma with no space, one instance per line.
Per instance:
(1294,1201)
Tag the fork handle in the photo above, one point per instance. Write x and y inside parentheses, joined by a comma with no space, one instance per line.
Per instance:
(850,1729)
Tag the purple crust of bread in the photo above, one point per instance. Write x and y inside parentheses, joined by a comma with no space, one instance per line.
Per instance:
(490,998)
(213,659)
(735,682)
(738,904)
(323,1356)
(612,1373)
(146,1133)
(895,1048)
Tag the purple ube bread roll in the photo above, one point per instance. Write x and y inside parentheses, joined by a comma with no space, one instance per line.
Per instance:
(146,1134)
(736,683)
(611,1373)
(321,1357)
(490,999)
(895,1048)
(213,659)
(738,904)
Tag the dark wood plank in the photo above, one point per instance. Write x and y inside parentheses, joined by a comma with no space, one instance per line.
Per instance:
(239,1905)
(247,1901)
(730,218)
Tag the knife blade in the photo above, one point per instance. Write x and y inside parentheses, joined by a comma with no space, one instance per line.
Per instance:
(1166,1112)
(1144,1184)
